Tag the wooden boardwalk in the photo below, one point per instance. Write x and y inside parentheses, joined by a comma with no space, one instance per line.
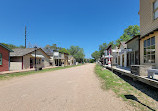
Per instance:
(144,79)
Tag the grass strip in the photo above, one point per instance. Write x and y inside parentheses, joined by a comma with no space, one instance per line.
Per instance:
(127,92)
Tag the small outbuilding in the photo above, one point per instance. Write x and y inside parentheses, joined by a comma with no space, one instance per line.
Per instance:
(24,58)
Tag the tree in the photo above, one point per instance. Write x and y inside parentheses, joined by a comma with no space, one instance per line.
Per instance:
(96,55)
(48,49)
(21,46)
(91,60)
(112,44)
(64,51)
(118,41)
(11,46)
(54,47)
(102,48)
(74,50)
(130,32)
(77,53)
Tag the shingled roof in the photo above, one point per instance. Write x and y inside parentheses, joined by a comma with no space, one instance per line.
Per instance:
(21,51)
(18,52)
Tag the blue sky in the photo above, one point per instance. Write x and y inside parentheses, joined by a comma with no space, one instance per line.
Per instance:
(85,23)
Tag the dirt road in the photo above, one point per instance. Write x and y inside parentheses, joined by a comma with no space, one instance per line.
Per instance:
(73,89)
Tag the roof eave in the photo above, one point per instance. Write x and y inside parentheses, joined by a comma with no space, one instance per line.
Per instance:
(10,50)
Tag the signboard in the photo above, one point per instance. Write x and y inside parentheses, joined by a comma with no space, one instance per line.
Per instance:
(125,50)
(122,51)
(56,54)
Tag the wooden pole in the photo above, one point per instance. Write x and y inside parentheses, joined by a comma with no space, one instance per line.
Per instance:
(25,36)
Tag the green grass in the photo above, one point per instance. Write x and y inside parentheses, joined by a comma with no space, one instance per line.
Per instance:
(9,76)
(113,82)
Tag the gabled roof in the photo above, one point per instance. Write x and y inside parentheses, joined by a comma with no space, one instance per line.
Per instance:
(108,47)
(6,47)
(21,51)
(18,52)
(123,44)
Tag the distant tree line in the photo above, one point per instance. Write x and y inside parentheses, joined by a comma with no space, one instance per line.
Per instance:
(130,32)
(11,46)
(75,51)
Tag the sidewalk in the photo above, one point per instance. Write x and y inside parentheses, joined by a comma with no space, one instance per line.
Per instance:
(26,70)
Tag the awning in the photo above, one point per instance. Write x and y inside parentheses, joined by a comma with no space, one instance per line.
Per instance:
(38,56)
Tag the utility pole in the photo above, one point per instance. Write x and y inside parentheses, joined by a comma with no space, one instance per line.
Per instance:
(25,36)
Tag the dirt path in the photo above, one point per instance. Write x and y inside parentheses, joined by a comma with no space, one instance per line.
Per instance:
(73,89)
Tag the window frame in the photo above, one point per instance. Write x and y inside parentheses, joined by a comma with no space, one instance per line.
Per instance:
(1,57)
(149,54)
(155,10)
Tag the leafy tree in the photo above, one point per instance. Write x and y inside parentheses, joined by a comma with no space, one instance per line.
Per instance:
(130,32)
(77,53)
(112,44)
(74,49)
(102,48)
(48,49)
(11,46)
(118,41)
(96,55)
(54,47)
(64,51)
(21,46)
(91,60)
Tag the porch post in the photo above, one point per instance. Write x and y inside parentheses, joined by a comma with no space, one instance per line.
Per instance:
(121,60)
(130,59)
(125,59)
(134,57)
(35,57)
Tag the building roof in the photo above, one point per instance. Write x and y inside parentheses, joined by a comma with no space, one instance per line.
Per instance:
(21,51)
(138,36)
(108,47)
(151,32)
(6,47)
(18,52)
(123,44)
(115,47)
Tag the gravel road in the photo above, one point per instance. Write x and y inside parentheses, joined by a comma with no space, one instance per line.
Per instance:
(73,89)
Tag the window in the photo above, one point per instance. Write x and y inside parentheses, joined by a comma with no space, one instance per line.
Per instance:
(0,59)
(149,50)
(155,9)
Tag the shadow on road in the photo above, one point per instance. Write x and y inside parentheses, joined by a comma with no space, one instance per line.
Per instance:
(132,97)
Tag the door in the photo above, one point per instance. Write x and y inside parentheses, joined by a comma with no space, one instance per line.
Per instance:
(31,63)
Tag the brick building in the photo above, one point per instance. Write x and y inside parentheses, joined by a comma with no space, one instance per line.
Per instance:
(4,58)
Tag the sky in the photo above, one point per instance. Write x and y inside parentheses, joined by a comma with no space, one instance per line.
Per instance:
(83,23)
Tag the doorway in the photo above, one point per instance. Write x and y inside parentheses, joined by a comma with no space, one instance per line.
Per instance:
(31,63)
(123,60)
